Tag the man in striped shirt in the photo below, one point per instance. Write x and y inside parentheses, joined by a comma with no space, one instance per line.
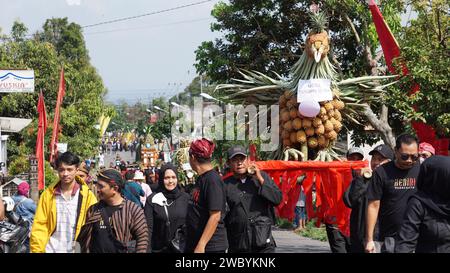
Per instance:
(114,223)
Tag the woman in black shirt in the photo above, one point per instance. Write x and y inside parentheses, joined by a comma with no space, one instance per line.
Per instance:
(170,197)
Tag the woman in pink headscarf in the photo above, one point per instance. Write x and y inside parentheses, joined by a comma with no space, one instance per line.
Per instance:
(25,207)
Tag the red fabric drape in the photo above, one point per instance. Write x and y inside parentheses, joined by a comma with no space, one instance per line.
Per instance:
(331,179)
(42,127)
(252,153)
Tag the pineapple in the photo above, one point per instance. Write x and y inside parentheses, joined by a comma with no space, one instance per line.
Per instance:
(301,136)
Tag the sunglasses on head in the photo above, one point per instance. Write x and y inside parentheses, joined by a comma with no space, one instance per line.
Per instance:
(414,157)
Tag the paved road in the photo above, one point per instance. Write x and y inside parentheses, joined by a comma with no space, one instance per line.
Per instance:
(289,242)
(126,156)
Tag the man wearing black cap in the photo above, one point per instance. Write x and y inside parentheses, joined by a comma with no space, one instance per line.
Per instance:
(355,196)
(355,154)
(113,223)
(251,197)
(339,242)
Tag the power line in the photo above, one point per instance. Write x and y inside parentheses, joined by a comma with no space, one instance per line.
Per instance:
(146,14)
(146,27)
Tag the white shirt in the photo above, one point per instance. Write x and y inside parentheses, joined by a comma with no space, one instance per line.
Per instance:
(301,198)
(62,240)
(147,190)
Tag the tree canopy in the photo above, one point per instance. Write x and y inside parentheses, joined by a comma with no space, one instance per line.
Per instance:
(269,35)
(59,44)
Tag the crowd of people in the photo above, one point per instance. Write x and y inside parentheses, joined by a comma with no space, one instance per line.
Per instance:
(401,203)
(117,211)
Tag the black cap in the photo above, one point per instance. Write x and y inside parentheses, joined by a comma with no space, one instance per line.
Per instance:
(236,150)
(355,150)
(383,150)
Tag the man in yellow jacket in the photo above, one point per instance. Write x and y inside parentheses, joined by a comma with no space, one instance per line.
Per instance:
(61,211)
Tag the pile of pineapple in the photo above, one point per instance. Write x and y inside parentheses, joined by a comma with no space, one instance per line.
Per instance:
(318,132)
(181,156)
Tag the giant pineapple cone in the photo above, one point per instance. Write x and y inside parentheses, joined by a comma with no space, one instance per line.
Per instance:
(318,133)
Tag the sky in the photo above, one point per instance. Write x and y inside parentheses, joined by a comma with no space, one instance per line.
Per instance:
(138,59)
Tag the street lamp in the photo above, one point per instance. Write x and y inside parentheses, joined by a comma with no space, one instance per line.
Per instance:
(179,106)
(149,111)
(207,96)
(159,109)
(175,104)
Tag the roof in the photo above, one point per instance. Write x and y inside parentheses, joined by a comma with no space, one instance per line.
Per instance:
(13,125)
(16,181)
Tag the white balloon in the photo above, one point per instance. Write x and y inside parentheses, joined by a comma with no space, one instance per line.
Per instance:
(309,108)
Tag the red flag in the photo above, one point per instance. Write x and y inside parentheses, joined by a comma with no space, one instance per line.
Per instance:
(61,92)
(42,127)
(391,50)
(252,152)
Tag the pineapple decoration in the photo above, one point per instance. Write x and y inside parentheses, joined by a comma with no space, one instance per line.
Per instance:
(181,156)
(317,130)
(309,125)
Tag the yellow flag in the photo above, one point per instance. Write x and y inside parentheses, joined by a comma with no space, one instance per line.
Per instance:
(104,125)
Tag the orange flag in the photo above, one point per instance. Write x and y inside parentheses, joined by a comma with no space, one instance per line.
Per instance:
(61,92)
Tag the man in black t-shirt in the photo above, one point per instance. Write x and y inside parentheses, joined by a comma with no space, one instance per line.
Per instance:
(204,223)
(392,185)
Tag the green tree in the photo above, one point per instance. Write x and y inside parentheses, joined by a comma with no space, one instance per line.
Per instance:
(268,36)
(67,39)
(83,103)
(424,44)
(18,31)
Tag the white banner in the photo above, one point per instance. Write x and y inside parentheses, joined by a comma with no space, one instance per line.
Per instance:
(16,81)
(316,89)
(61,147)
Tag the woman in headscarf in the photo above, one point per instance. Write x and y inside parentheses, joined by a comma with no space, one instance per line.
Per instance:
(166,211)
(426,224)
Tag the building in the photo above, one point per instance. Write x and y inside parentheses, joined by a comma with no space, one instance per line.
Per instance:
(10,188)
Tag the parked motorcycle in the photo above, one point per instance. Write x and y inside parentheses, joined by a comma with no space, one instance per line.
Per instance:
(14,230)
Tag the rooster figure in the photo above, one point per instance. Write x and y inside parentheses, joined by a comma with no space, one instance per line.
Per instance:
(315,130)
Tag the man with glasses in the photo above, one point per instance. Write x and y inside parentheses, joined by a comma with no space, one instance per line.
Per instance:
(392,185)
(251,196)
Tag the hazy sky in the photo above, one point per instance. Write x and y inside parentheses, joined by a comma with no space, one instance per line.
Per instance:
(138,58)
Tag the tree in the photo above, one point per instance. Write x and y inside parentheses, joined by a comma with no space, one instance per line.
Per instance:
(83,103)
(424,44)
(18,31)
(67,39)
(266,35)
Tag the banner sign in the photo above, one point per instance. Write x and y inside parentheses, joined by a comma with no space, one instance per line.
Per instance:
(16,81)
(61,147)
(317,89)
